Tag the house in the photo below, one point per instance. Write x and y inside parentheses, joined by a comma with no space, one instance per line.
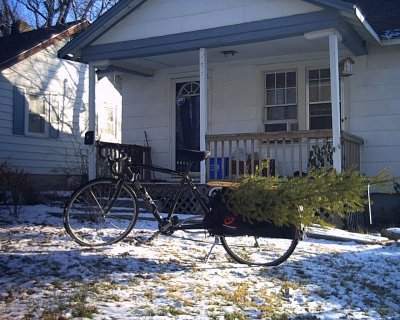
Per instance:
(44,106)
(254,80)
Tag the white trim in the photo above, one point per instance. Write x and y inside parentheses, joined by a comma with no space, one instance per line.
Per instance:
(335,97)
(322,34)
(92,121)
(203,65)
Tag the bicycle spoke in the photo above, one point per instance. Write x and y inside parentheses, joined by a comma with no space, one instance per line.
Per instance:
(93,214)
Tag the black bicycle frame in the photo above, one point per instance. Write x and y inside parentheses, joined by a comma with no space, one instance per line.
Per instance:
(185,179)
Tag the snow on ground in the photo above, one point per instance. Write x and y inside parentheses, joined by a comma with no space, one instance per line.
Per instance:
(45,275)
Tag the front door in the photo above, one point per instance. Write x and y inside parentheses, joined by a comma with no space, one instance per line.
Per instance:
(187,117)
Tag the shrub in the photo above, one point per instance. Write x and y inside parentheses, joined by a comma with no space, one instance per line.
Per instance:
(16,187)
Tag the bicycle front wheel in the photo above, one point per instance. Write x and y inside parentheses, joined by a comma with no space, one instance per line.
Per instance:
(100,213)
(260,250)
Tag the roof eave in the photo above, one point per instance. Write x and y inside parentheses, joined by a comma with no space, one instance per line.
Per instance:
(353,10)
(366,24)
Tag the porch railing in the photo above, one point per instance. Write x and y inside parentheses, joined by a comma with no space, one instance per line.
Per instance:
(137,154)
(277,153)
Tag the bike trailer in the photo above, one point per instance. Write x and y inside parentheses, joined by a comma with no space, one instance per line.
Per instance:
(221,221)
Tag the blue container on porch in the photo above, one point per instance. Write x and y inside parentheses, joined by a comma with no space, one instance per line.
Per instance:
(220,174)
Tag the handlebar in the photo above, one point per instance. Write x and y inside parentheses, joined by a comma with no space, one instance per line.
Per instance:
(115,157)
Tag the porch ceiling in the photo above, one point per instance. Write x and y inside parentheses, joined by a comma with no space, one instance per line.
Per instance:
(273,48)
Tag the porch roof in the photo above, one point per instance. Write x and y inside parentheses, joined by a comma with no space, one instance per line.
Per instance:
(340,15)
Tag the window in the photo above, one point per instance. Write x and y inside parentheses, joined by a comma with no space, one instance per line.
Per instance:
(319,96)
(280,111)
(107,121)
(35,114)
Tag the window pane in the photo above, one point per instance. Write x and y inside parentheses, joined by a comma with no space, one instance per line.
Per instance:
(271,127)
(280,80)
(282,113)
(36,123)
(313,74)
(291,112)
(276,113)
(37,114)
(270,81)
(291,79)
(36,104)
(325,73)
(270,97)
(325,93)
(291,96)
(109,121)
(280,96)
(322,122)
(314,93)
(320,109)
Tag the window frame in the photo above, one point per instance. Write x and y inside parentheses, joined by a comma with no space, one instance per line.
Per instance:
(102,117)
(308,103)
(288,122)
(21,113)
(45,99)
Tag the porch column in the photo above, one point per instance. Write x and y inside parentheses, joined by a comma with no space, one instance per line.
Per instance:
(92,121)
(203,109)
(334,68)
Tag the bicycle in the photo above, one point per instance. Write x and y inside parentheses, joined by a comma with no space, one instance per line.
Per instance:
(104,211)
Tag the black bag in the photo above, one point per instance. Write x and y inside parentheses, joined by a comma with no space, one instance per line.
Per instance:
(221,221)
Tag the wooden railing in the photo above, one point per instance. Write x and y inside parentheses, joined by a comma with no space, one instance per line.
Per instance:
(277,153)
(351,150)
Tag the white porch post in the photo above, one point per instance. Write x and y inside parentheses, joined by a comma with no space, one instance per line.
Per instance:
(92,120)
(203,109)
(334,67)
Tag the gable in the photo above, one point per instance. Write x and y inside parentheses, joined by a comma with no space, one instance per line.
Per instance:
(165,17)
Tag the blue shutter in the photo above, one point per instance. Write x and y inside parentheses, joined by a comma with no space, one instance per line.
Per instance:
(54,131)
(19,103)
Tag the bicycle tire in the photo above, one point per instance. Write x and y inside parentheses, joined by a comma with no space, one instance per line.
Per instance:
(260,251)
(94,217)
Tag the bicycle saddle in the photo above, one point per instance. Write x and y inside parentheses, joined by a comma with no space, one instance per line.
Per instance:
(193,155)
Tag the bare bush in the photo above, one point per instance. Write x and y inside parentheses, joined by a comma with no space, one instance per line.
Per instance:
(16,187)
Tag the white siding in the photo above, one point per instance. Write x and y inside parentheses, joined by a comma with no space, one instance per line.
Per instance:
(44,72)
(165,17)
(146,107)
(375,108)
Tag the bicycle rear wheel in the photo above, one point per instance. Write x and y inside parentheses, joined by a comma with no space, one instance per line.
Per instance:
(100,213)
(260,250)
